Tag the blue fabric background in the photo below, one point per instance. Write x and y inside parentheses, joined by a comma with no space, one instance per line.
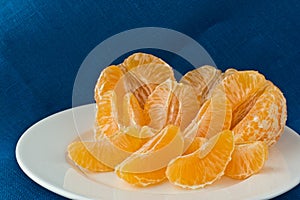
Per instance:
(42,44)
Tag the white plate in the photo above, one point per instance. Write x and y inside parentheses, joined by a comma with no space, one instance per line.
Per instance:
(41,150)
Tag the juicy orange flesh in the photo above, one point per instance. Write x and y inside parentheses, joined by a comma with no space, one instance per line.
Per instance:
(259,108)
(266,119)
(128,142)
(205,165)
(142,93)
(171,103)
(247,159)
(239,86)
(106,122)
(243,108)
(173,115)
(79,154)
(203,80)
(195,145)
(139,59)
(107,81)
(158,175)
(167,144)
(143,179)
(253,108)
(133,114)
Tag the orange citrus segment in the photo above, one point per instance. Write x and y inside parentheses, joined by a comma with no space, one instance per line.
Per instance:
(107,80)
(133,113)
(171,103)
(127,142)
(213,117)
(242,85)
(195,145)
(203,80)
(81,156)
(147,166)
(247,159)
(266,119)
(166,145)
(242,88)
(106,116)
(140,132)
(143,179)
(138,59)
(205,165)
(112,150)
(142,80)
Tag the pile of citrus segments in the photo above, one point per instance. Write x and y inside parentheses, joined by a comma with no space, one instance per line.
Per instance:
(149,128)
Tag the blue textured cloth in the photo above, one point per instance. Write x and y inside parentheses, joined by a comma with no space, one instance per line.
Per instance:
(42,44)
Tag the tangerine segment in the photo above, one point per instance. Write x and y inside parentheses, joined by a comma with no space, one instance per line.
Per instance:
(213,117)
(203,80)
(247,159)
(140,132)
(220,112)
(148,164)
(229,72)
(241,86)
(107,80)
(195,145)
(142,80)
(133,113)
(106,152)
(106,115)
(113,150)
(156,153)
(266,119)
(138,59)
(81,156)
(143,179)
(127,142)
(171,103)
(205,165)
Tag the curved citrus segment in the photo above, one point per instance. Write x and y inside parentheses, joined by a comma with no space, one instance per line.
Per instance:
(195,145)
(213,117)
(228,72)
(205,165)
(105,151)
(266,119)
(81,156)
(166,145)
(203,80)
(171,103)
(242,88)
(107,80)
(147,166)
(133,113)
(143,179)
(247,159)
(220,113)
(142,80)
(138,59)
(114,149)
(106,115)
(140,132)
(127,142)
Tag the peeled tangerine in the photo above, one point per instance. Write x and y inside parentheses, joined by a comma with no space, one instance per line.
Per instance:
(150,128)
(258,107)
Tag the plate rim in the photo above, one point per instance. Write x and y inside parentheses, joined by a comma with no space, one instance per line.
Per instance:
(57,190)
(73,195)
